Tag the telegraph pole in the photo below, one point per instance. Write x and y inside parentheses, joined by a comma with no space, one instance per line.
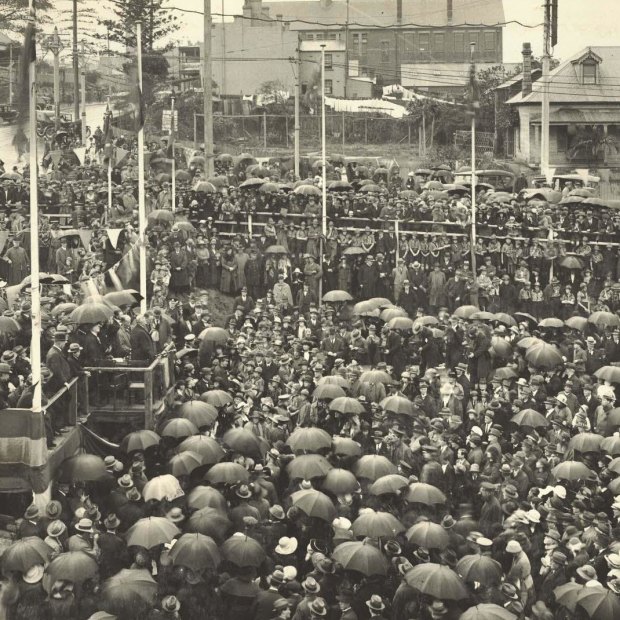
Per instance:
(10,73)
(54,45)
(207,71)
(472,47)
(83,89)
(76,67)
(297,96)
(544,117)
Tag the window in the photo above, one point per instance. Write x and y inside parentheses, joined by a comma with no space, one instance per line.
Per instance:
(562,138)
(328,87)
(328,62)
(588,68)
(354,68)
(332,36)
(489,41)
(424,46)
(385,51)
(309,37)
(459,46)
(439,46)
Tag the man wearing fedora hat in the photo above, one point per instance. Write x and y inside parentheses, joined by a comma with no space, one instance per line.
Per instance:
(265,599)
(31,524)
(114,555)
(85,538)
(242,507)
(376,606)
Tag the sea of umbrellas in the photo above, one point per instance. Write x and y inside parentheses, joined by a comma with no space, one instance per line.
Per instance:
(380,502)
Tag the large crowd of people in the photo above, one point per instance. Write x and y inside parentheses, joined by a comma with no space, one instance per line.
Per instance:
(377,427)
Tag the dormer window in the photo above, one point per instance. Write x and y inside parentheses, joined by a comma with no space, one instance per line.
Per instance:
(589,69)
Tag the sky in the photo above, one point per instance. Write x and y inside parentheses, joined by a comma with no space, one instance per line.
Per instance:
(581,23)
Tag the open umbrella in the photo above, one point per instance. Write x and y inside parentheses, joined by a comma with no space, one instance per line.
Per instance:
(611,445)
(354,251)
(428,535)
(161,215)
(506,319)
(162,487)
(179,428)
(227,473)
(346,405)
(337,296)
(501,347)
(83,468)
(529,417)
(139,441)
(198,413)
(339,186)
(576,322)
(392,483)
(243,441)
(345,446)
(310,439)
(586,442)
(314,504)
(544,355)
(377,525)
(59,309)
(571,470)
(375,376)
(128,297)
(210,522)
(361,557)
(94,312)
(464,312)
(243,551)
(207,497)
(608,373)
(423,493)
(184,463)
(338,380)
(73,566)
(482,315)
(398,405)
(183,176)
(487,611)
(204,187)
(614,486)
(403,323)
(599,603)
(340,482)
(217,398)
(195,551)
(151,532)
(391,313)
(438,581)
(604,319)
(208,448)
(307,190)
(505,372)
(374,466)
(268,188)
(528,341)
(9,326)
(566,594)
(308,466)
(328,391)
(23,554)
(131,588)
(551,322)
(480,568)
(214,334)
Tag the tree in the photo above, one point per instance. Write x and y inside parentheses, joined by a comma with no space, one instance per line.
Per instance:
(436,117)
(274,94)
(157,23)
(592,144)
(14,14)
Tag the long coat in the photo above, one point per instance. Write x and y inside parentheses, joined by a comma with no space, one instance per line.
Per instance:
(179,275)
(436,288)
(20,265)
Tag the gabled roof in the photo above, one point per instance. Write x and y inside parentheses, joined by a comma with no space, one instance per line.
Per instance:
(383,12)
(6,40)
(565,84)
(517,79)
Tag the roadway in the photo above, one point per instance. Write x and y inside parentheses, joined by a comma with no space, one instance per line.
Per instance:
(94,119)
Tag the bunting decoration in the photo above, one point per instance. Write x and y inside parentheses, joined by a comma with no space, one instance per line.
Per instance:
(85,236)
(80,153)
(113,235)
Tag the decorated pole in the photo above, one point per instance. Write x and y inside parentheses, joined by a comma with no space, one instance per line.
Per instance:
(141,196)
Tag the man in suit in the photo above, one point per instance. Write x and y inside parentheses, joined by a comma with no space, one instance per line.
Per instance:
(142,345)
(244,300)
(334,346)
(56,361)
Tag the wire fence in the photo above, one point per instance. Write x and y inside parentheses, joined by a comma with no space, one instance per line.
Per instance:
(278,130)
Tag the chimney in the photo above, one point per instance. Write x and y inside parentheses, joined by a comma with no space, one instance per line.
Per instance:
(449,13)
(526,83)
(399,11)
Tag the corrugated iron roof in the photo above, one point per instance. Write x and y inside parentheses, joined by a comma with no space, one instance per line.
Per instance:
(565,85)
(587,116)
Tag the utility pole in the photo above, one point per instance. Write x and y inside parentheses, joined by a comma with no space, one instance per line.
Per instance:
(297,96)
(83,89)
(207,71)
(544,116)
(346,51)
(141,190)
(54,45)
(472,47)
(76,67)
(10,73)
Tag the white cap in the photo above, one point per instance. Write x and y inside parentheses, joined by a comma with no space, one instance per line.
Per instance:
(559,491)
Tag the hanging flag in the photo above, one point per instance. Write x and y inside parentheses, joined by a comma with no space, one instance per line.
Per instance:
(80,153)
(85,236)
(136,99)
(128,267)
(119,155)
(89,288)
(55,156)
(113,235)
(4,237)
(12,294)
(474,91)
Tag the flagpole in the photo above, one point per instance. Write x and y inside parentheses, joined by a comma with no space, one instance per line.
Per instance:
(174,181)
(473,164)
(324,176)
(141,197)
(105,146)
(35,344)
